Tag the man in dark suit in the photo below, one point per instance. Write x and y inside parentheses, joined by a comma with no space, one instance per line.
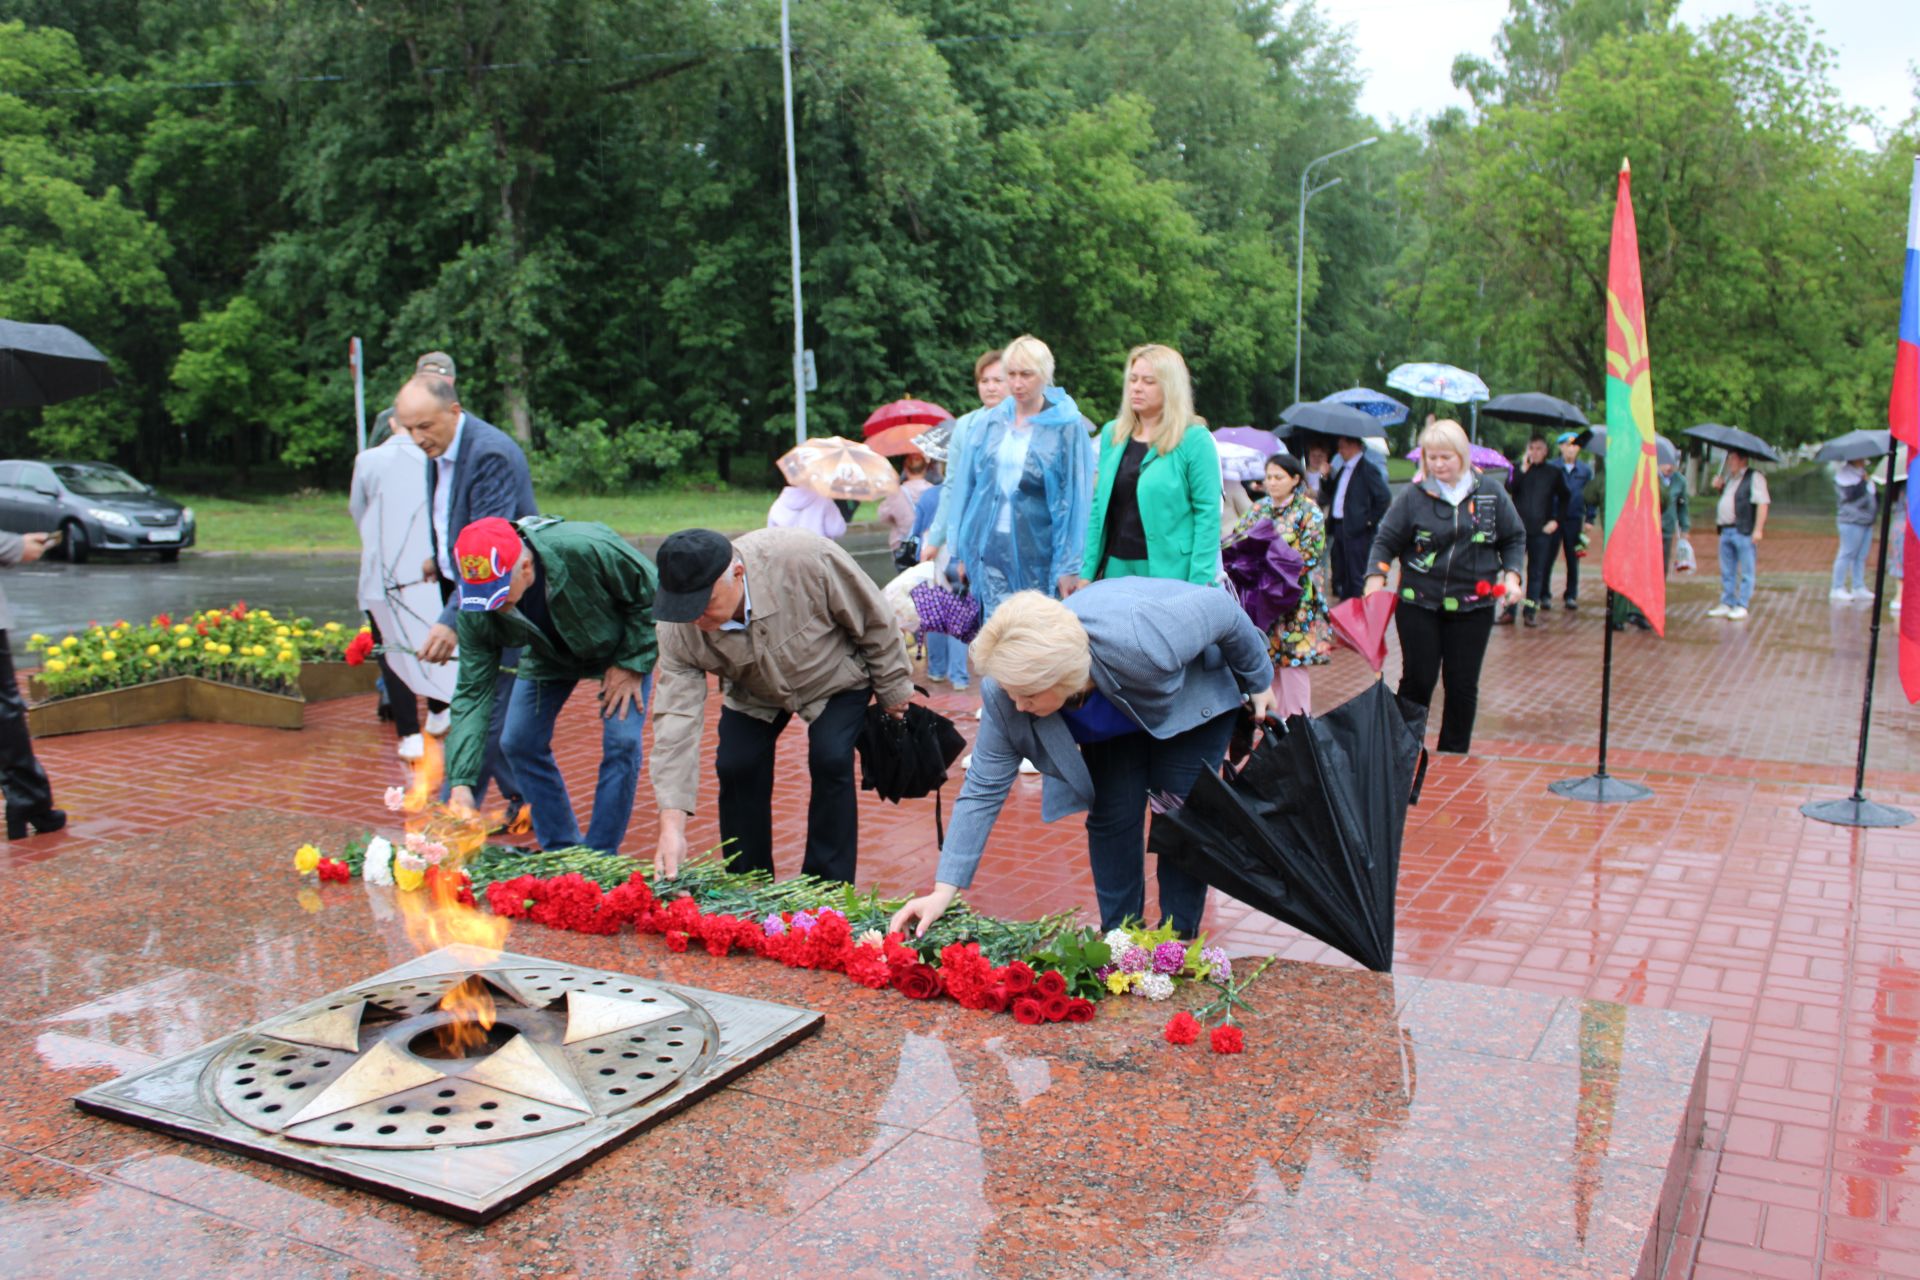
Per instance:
(1571,513)
(474,470)
(1360,498)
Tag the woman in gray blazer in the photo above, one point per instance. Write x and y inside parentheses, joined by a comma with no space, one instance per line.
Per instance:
(29,794)
(1127,688)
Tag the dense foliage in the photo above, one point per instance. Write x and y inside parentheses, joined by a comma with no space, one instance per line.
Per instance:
(584,200)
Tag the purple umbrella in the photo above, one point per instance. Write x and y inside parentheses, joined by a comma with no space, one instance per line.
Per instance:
(1265,572)
(1484,458)
(1265,443)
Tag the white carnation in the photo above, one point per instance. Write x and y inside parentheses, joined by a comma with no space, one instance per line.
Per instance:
(1156,986)
(378,868)
(1118,940)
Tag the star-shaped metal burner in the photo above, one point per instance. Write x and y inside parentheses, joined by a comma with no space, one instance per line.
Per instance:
(362,1086)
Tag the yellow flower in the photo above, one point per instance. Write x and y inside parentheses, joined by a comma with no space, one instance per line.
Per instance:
(333,626)
(179,628)
(407,879)
(69,643)
(36,638)
(286,655)
(152,649)
(281,631)
(55,666)
(108,655)
(365,630)
(185,643)
(1118,983)
(306,859)
(297,631)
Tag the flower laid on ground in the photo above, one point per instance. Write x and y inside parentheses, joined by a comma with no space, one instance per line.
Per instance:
(1227,1039)
(240,646)
(306,859)
(378,868)
(1181,1028)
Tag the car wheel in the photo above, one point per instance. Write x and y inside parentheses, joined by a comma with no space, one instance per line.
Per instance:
(170,556)
(76,542)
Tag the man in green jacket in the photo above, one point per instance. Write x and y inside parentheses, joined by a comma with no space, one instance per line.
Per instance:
(579,602)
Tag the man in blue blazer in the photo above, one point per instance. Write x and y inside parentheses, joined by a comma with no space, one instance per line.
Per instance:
(474,470)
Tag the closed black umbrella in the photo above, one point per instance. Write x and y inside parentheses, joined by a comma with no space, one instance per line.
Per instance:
(43,364)
(1309,829)
(1535,407)
(1735,439)
(1854,446)
(1330,420)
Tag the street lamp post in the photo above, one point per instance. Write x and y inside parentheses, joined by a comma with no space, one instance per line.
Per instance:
(793,228)
(1300,245)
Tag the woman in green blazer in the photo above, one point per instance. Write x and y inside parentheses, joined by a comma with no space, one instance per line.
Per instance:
(1156,500)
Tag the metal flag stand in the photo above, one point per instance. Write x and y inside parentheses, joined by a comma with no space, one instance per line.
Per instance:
(1600,787)
(1856,810)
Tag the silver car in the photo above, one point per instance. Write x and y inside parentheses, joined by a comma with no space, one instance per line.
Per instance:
(96,507)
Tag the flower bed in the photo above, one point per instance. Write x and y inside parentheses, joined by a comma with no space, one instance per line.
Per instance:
(162,702)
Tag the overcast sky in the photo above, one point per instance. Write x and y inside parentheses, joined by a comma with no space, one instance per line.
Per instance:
(1407,47)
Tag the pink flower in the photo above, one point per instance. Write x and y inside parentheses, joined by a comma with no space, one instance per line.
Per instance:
(396,798)
(434,852)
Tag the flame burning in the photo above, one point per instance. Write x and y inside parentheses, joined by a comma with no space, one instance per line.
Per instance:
(435,916)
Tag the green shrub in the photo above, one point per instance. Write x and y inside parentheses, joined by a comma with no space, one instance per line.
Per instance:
(588,457)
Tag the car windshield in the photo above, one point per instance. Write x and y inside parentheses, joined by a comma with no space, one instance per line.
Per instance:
(98,482)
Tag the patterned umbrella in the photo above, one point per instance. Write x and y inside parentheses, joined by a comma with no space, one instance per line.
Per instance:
(1438,382)
(1238,462)
(837,468)
(897,440)
(1484,458)
(933,441)
(1368,401)
(903,413)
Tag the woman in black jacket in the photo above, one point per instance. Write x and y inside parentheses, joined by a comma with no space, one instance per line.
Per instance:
(1461,547)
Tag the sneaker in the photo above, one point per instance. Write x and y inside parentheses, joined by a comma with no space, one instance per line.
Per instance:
(1530,620)
(979,711)
(1840,595)
(438,722)
(933,679)
(1720,611)
(959,687)
(1571,606)
(1861,593)
(966,761)
(1028,766)
(411,747)
(1737,615)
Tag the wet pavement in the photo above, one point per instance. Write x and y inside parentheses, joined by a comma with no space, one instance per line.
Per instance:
(1715,898)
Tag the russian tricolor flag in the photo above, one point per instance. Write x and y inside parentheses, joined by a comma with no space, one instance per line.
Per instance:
(1903,416)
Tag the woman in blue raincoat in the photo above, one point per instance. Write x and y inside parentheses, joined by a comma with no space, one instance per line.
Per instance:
(1029,486)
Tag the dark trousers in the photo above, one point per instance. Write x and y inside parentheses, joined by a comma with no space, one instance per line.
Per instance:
(1351,542)
(28,790)
(1569,536)
(400,699)
(494,767)
(1541,549)
(1125,771)
(1436,645)
(744,763)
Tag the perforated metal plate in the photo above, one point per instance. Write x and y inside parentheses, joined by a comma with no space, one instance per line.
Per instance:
(358,1087)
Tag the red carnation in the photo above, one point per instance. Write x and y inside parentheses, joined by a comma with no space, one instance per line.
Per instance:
(1051,983)
(868,967)
(1027,1011)
(1055,1007)
(676,940)
(922,982)
(1019,978)
(1227,1039)
(1079,1009)
(718,945)
(359,649)
(1483,588)
(1181,1028)
(162,620)
(201,627)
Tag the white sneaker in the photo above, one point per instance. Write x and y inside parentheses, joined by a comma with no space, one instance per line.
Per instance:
(966,761)
(438,722)
(1028,766)
(1738,615)
(979,711)
(1840,595)
(1861,593)
(1719,611)
(411,748)
(1894,608)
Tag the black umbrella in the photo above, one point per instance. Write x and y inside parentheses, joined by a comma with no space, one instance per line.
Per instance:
(1854,446)
(1595,438)
(1735,439)
(1309,829)
(1536,407)
(46,363)
(1331,420)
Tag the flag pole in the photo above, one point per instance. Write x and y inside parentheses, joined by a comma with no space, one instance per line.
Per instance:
(1856,810)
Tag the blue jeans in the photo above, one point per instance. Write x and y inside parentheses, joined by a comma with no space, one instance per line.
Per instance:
(527,741)
(1125,771)
(1852,557)
(947,658)
(1736,568)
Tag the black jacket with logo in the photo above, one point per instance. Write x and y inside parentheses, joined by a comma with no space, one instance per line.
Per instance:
(1446,551)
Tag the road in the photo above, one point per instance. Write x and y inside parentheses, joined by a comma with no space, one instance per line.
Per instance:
(54,598)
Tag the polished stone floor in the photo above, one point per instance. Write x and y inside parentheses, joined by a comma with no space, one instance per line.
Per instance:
(1716,898)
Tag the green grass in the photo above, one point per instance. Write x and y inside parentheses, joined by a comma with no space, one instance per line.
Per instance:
(317,522)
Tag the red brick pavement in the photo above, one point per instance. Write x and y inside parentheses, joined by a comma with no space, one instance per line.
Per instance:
(1714,897)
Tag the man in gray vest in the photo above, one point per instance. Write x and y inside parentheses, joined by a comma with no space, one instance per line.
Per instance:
(1742,517)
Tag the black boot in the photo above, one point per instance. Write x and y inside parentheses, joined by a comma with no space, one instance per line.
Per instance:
(44,821)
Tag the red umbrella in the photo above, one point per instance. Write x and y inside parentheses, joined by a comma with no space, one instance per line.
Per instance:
(902,413)
(895,441)
(1362,624)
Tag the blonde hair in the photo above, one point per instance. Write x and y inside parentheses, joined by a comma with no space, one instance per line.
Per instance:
(1449,437)
(1176,390)
(1030,353)
(1033,644)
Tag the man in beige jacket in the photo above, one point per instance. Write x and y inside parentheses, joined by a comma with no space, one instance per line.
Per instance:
(791,625)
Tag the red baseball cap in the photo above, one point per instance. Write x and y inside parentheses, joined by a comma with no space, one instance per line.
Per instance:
(485,553)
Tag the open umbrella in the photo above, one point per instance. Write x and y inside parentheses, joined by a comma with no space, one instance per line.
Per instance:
(42,364)
(1483,457)
(899,413)
(933,441)
(1373,403)
(1331,420)
(1438,382)
(1238,462)
(1855,446)
(1595,438)
(1734,439)
(1264,443)
(897,440)
(837,468)
(1536,407)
